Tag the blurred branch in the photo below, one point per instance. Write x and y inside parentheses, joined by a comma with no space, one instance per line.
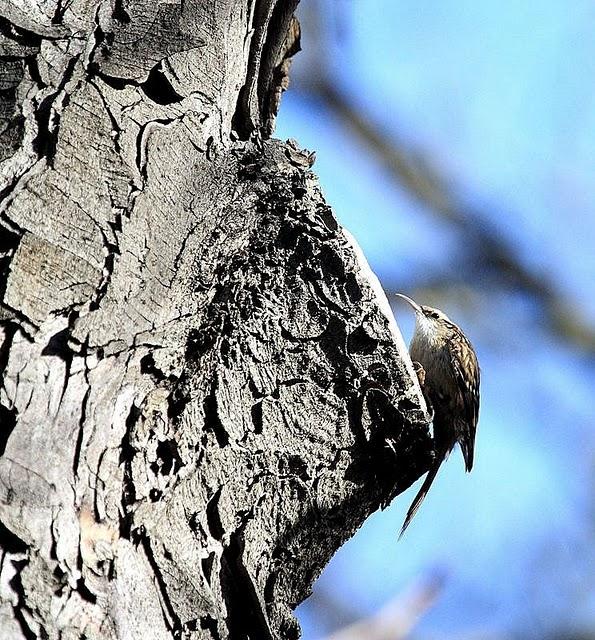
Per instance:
(487,249)
(396,619)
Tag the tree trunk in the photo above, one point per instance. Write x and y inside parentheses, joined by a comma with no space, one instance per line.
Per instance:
(203,392)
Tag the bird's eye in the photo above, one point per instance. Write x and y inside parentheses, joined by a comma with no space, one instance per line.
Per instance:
(434,315)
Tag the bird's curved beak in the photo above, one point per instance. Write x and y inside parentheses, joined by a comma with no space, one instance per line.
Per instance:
(411,302)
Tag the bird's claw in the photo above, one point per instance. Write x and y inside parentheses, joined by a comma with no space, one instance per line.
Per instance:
(421,377)
(430,409)
(420,372)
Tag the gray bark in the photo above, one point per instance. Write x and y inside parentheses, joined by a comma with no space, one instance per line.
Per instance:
(203,393)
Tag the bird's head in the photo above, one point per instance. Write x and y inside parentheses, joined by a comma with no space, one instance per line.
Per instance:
(424,313)
(431,325)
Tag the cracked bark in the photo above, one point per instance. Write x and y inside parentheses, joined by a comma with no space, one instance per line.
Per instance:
(203,393)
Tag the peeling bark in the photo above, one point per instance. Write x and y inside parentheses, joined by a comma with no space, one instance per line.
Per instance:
(203,393)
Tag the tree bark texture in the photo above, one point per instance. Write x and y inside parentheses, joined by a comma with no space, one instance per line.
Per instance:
(203,393)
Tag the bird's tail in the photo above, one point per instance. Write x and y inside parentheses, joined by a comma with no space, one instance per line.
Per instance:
(467,444)
(422,493)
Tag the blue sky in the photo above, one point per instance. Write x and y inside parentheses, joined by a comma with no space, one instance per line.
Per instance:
(501,97)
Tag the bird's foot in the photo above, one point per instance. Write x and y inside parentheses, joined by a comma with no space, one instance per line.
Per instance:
(421,376)
(430,408)
(420,372)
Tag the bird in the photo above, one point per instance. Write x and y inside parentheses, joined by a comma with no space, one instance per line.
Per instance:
(449,374)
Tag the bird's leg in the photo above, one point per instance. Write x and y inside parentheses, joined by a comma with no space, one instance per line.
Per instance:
(420,372)
(421,376)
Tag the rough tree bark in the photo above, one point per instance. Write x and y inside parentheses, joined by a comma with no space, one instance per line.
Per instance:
(203,392)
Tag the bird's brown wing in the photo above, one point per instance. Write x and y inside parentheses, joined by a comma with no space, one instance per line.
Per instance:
(466,374)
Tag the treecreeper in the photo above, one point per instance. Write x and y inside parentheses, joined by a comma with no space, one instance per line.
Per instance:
(448,372)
